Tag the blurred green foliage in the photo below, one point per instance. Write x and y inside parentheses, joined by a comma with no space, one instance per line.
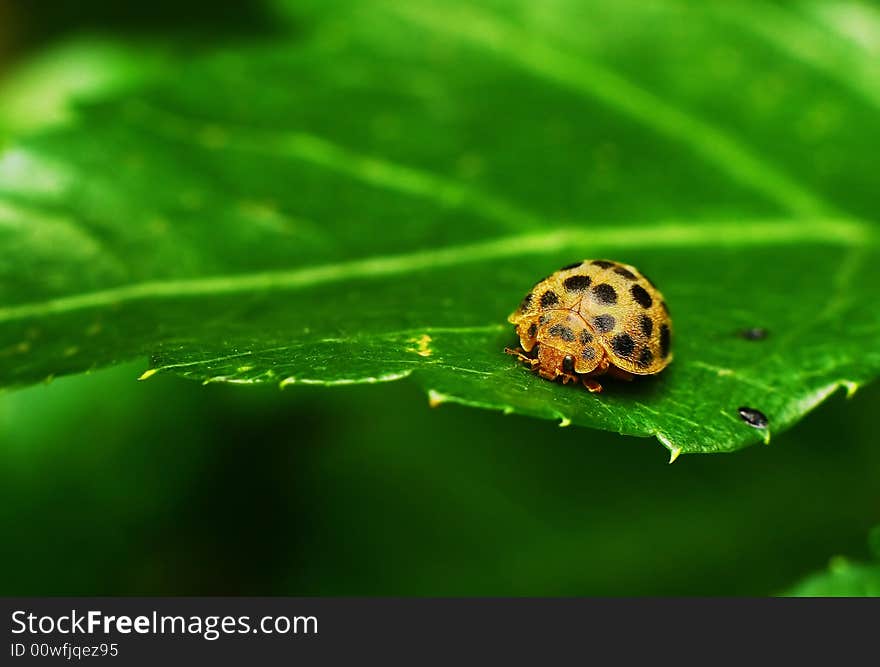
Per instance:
(842,579)
(110,486)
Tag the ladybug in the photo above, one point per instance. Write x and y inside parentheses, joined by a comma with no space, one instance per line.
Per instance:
(593,318)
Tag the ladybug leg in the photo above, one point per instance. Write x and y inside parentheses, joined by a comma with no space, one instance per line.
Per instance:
(519,354)
(566,378)
(592,385)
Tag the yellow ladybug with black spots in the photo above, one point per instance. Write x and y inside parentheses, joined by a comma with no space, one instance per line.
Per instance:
(593,318)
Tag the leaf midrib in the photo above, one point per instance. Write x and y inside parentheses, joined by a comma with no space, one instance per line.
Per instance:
(840,231)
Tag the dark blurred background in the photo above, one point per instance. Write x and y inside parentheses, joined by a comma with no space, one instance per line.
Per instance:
(27,27)
(113,486)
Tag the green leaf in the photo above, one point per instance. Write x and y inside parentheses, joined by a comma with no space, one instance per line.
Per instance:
(843,578)
(369,202)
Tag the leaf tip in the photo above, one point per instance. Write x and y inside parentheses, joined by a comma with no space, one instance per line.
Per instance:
(674,450)
(851,387)
(147,374)
(564,421)
(435,398)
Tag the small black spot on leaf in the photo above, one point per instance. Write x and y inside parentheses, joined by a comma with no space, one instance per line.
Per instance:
(754,333)
(753,417)
(605,294)
(604,323)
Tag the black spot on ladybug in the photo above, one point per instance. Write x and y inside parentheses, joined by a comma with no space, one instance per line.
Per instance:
(605,294)
(665,340)
(544,319)
(588,354)
(577,283)
(568,363)
(640,294)
(533,330)
(753,417)
(548,299)
(626,273)
(754,333)
(526,302)
(623,344)
(563,332)
(586,337)
(604,323)
(647,326)
(605,264)
(571,266)
(645,357)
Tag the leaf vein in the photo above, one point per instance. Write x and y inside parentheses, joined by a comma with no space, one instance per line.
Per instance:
(601,83)
(367,168)
(845,232)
